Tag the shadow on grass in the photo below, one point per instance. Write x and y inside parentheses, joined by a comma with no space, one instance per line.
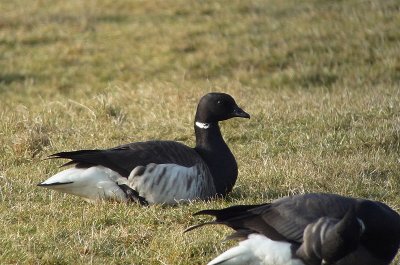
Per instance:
(11,78)
(317,79)
(42,40)
(375,173)
(75,19)
(113,18)
(306,81)
(15,82)
(31,41)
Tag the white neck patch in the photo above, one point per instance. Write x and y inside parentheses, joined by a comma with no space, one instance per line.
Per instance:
(202,125)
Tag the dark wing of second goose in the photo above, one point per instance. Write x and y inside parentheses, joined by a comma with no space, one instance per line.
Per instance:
(283,219)
(286,219)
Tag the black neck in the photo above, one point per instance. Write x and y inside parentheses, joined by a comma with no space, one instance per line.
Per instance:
(212,148)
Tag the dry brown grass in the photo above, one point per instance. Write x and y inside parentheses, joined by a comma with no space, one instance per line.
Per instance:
(320,79)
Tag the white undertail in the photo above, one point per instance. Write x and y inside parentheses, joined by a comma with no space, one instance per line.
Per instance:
(258,250)
(93,183)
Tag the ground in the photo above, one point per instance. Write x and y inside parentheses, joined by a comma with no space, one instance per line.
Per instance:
(321,80)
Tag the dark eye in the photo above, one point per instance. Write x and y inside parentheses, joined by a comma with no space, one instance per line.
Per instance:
(219,101)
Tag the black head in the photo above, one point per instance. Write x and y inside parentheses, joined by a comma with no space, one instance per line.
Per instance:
(215,107)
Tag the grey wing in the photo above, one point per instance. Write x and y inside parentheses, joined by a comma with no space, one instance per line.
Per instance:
(172,183)
(314,235)
(284,219)
(289,216)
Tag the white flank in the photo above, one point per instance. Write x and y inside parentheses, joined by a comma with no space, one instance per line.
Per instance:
(258,250)
(94,183)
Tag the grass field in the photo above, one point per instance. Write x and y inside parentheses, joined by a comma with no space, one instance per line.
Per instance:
(321,80)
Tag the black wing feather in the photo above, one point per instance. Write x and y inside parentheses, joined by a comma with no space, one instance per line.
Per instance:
(123,159)
(290,215)
(243,218)
(284,219)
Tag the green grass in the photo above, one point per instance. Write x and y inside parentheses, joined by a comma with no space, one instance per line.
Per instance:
(321,80)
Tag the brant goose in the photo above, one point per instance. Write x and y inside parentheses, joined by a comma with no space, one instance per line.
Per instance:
(310,229)
(157,171)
